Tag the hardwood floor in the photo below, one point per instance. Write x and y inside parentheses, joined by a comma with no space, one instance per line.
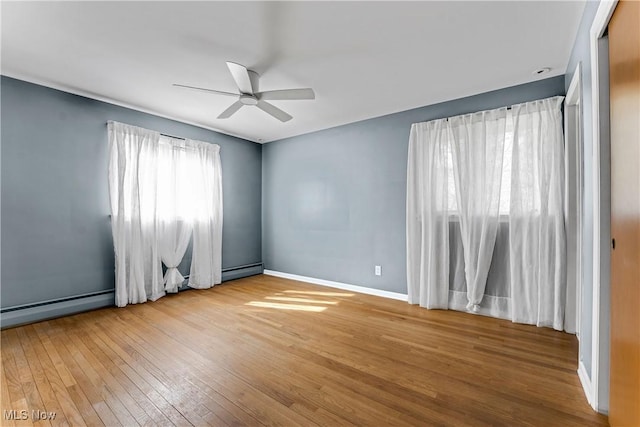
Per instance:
(270,351)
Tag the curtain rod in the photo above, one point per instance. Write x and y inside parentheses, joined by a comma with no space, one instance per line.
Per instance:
(476,112)
(163,134)
(174,137)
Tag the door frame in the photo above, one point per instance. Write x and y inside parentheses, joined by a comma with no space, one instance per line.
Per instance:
(574,190)
(599,396)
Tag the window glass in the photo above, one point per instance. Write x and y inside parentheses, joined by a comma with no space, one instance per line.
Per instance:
(505,187)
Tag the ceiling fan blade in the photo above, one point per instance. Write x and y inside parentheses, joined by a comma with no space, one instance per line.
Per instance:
(273,111)
(285,94)
(241,75)
(231,110)
(207,90)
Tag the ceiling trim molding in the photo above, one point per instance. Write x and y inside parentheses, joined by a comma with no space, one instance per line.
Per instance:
(95,97)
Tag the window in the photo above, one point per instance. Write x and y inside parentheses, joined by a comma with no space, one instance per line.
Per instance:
(505,187)
(178,185)
(170,183)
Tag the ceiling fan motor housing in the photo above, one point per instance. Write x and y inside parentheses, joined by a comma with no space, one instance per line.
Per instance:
(248,99)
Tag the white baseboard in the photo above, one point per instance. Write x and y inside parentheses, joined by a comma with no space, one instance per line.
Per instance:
(586,383)
(338,285)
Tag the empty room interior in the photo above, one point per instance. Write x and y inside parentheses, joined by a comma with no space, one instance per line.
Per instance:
(368,213)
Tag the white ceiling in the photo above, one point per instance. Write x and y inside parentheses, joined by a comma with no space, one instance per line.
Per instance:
(363,59)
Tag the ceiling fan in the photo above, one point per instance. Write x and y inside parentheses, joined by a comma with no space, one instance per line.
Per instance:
(247,81)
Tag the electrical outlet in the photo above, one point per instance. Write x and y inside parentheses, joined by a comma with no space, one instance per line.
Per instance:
(378,270)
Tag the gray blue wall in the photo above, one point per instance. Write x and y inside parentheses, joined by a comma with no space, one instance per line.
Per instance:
(334,200)
(56,235)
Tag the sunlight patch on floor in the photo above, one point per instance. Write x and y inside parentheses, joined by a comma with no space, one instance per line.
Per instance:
(322,294)
(279,306)
(301,300)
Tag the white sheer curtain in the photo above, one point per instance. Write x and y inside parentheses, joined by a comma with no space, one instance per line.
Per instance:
(174,200)
(537,239)
(428,182)
(133,176)
(162,190)
(206,263)
(478,148)
(504,250)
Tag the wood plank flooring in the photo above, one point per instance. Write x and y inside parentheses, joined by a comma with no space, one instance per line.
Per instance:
(270,351)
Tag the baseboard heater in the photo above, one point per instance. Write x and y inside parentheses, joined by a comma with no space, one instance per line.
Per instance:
(43,310)
(240,271)
(35,312)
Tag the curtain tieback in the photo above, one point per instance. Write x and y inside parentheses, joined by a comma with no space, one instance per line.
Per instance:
(172,278)
(474,308)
